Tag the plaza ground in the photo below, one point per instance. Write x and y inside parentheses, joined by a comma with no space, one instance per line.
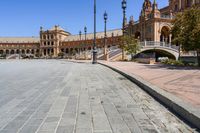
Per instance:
(48,96)
(179,81)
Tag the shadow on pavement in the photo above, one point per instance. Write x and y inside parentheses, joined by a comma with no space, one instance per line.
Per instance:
(171,67)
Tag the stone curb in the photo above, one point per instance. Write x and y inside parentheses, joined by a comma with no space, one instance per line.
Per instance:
(187,112)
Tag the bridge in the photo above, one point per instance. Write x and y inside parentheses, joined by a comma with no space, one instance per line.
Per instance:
(161,48)
(166,49)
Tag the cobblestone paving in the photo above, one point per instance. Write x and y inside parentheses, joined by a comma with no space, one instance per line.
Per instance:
(42,96)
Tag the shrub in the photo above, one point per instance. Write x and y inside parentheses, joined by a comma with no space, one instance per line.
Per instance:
(173,62)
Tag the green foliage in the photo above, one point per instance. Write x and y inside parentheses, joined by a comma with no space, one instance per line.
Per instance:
(173,62)
(130,44)
(61,54)
(186,29)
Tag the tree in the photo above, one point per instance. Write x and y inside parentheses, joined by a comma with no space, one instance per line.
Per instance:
(186,30)
(61,54)
(131,45)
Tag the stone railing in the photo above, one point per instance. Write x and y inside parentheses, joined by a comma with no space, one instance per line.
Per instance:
(159,44)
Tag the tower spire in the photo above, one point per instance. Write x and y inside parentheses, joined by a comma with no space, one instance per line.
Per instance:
(155,6)
(155,11)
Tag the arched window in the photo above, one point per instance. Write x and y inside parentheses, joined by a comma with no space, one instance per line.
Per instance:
(44,36)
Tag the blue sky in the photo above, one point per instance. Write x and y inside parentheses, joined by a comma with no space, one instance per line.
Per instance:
(24,17)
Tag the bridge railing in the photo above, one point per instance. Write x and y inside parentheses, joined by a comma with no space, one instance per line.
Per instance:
(158,44)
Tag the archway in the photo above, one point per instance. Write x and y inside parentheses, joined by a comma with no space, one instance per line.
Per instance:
(1,52)
(32,51)
(17,51)
(7,52)
(155,53)
(37,51)
(23,51)
(52,51)
(28,51)
(137,35)
(66,50)
(48,51)
(165,35)
(12,52)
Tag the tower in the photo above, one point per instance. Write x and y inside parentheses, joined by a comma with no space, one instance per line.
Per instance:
(155,11)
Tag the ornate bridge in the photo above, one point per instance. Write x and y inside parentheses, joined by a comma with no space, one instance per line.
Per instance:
(161,46)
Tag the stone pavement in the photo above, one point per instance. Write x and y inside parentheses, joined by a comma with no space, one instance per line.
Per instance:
(52,96)
(181,82)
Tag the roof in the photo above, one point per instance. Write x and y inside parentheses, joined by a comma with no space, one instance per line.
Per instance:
(90,36)
(58,28)
(19,39)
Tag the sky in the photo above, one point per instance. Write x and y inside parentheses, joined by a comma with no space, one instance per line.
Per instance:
(24,17)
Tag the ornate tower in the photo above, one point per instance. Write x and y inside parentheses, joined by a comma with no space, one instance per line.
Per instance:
(155,11)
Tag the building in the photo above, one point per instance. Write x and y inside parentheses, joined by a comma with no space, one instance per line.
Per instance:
(152,28)
(155,24)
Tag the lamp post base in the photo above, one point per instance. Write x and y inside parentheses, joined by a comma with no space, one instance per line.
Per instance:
(94,58)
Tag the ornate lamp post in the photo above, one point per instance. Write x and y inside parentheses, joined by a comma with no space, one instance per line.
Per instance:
(124,22)
(105,35)
(80,34)
(124,15)
(85,30)
(94,59)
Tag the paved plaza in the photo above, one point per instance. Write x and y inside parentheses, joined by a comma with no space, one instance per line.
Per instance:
(56,96)
(181,82)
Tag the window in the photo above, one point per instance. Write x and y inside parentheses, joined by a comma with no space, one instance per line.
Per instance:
(52,37)
(188,3)
(176,8)
(52,43)
(48,43)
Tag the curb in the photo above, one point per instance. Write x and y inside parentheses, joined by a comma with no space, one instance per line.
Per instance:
(187,112)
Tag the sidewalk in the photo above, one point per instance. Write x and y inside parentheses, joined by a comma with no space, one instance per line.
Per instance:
(183,83)
(176,88)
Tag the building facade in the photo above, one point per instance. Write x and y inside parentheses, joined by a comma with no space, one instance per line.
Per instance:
(153,25)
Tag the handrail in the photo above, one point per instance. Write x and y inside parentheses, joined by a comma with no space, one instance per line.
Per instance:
(158,44)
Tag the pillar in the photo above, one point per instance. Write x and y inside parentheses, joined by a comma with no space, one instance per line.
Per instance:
(180,5)
(170,38)
(163,38)
(106,57)
(193,2)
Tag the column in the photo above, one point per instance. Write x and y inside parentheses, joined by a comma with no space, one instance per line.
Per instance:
(170,38)
(193,2)
(163,38)
(180,5)
(54,52)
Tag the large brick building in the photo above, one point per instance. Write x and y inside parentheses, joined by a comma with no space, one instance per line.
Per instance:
(154,25)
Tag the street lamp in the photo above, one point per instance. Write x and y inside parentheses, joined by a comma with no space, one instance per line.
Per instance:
(80,33)
(124,14)
(105,35)
(94,59)
(85,29)
(85,49)
(124,22)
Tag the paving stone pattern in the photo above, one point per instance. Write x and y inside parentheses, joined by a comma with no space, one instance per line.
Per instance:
(52,96)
